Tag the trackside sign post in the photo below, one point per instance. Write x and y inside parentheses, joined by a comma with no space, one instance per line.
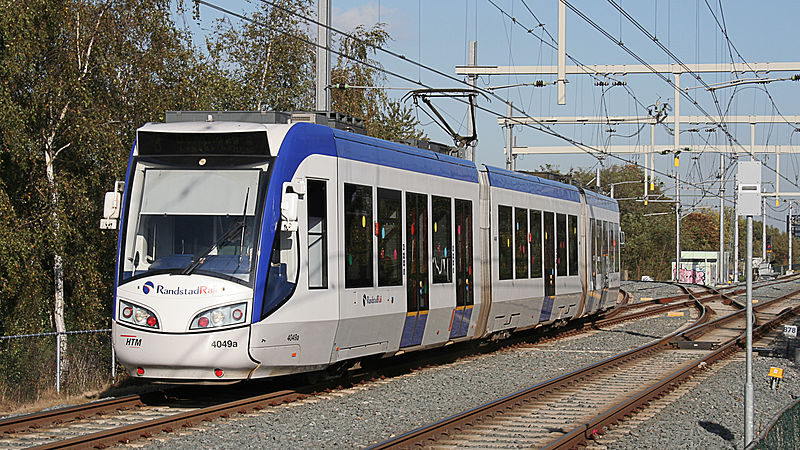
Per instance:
(749,200)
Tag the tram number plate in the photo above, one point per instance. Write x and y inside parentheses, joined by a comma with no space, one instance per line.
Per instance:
(790,330)
(224,344)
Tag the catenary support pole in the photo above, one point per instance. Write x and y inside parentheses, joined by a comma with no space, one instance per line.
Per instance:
(764,229)
(722,270)
(509,138)
(678,226)
(323,55)
(735,232)
(562,53)
(790,271)
(472,51)
(748,386)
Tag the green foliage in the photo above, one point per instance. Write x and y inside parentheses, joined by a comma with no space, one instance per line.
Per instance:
(385,118)
(265,64)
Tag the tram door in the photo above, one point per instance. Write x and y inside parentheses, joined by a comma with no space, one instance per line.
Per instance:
(549,255)
(465,297)
(416,269)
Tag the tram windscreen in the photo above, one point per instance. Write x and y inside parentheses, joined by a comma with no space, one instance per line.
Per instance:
(184,221)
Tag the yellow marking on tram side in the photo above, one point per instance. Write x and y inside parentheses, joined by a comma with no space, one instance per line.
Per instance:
(423,313)
(469,307)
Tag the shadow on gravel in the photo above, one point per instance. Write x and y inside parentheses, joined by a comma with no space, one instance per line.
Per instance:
(717,429)
(632,333)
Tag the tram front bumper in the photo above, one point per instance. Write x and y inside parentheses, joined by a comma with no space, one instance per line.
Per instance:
(212,356)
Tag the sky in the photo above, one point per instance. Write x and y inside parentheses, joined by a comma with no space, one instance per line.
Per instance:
(435,34)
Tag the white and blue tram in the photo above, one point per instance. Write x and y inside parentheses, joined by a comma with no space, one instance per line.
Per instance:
(251,249)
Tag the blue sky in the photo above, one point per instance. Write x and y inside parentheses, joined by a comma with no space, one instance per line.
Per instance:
(435,33)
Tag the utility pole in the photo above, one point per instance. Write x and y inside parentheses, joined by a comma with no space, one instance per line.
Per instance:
(750,203)
(323,55)
(748,384)
(472,50)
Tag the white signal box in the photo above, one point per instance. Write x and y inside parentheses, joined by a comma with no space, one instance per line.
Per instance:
(749,188)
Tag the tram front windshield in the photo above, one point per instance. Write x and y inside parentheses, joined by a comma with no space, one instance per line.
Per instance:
(192,221)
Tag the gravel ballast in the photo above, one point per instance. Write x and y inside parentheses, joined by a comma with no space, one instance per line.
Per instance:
(710,415)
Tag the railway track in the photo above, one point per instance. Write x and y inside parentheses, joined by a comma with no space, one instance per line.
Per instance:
(125,419)
(570,410)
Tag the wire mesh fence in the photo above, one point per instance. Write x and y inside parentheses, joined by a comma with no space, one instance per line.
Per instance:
(35,363)
(783,432)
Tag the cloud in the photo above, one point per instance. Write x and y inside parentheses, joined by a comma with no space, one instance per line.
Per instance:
(349,19)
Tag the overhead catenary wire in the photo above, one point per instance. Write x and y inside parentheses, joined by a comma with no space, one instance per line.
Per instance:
(667,80)
(720,125)
(539,126)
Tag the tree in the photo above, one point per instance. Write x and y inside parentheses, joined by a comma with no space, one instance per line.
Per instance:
(78,77)
(385,118)
(266,62)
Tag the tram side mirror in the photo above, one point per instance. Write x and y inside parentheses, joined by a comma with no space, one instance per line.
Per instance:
(111,207)
(289,202)
(621,238)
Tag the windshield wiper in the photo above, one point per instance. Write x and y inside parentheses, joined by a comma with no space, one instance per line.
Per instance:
(227,236)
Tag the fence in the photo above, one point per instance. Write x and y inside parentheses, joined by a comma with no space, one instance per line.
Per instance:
(30,360)
(783,432)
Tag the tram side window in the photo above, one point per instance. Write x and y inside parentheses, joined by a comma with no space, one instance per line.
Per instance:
(442,240)
(617,247)
(317,234)
(521,242)
(613,238)
(463,225)
(603,237)
(561,252)
(536,244)
(593,240)
(572,224)
(357,236)
(390,234)
(506,263)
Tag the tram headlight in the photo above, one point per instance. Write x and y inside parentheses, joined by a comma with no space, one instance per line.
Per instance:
(219,317)
(137,315)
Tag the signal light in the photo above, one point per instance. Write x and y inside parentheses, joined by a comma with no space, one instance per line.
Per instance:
(237,314)
(203,322)
(151,321)
(219,373)
(139,371)
(127,312)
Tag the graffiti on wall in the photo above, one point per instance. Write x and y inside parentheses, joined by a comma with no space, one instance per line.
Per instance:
(697,274)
